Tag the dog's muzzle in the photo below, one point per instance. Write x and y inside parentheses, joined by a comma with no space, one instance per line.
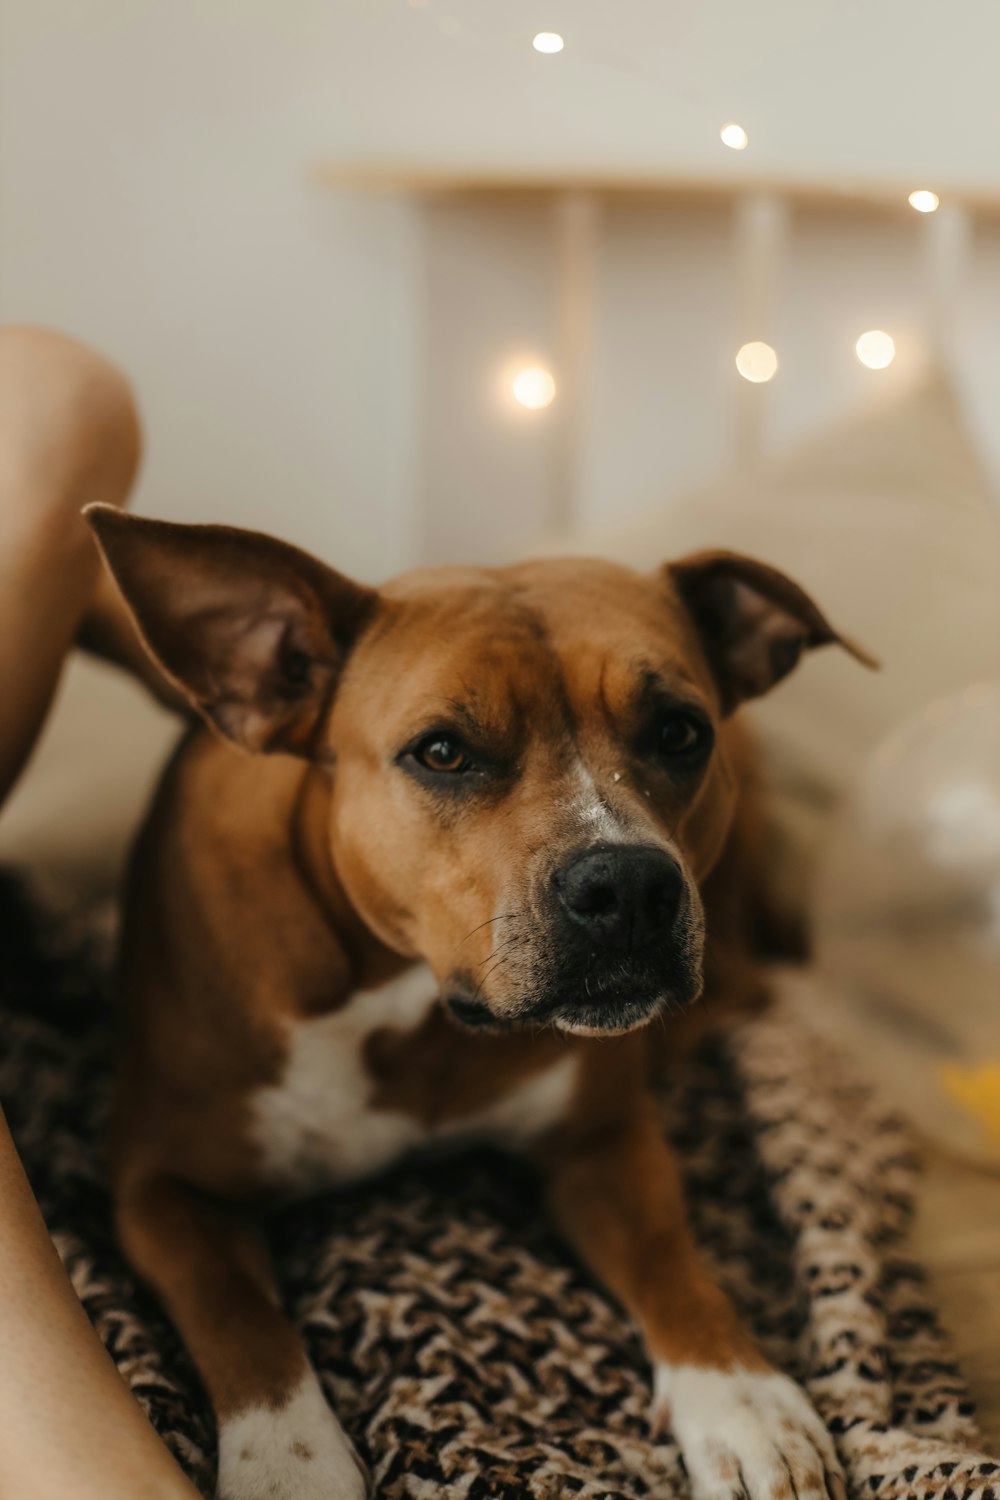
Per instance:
(620,945)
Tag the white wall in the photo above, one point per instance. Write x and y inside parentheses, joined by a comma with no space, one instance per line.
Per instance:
(309,361)
(660,405)
(154,199)
(829,89)
(486,465)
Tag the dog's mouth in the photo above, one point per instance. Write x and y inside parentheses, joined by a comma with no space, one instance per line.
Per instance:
(620,1000)
(611,1018)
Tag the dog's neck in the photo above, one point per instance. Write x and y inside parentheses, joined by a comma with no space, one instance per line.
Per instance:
(369,960)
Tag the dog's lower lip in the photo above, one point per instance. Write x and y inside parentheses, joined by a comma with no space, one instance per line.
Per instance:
(610,1016)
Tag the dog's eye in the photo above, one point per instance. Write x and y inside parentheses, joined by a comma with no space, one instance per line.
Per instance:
(682,735)
(441,753)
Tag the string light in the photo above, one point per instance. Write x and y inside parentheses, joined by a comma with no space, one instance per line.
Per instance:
(757,362)
(734,136)
(534,388)
(923,200)
(876,349)
(548,41)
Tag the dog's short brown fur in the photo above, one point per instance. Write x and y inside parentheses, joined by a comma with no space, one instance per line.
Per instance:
(524,780)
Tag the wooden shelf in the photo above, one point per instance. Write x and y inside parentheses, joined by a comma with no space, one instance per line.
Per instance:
(498,182)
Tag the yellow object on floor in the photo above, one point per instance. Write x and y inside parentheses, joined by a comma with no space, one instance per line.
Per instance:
(977,1091)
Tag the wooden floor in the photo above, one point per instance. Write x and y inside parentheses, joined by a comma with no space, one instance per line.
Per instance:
(957,1236)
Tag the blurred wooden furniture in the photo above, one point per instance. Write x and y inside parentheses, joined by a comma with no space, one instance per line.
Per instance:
(957,1236)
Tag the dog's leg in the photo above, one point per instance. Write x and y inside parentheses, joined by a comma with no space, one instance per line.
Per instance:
(744,1429)
(277,1436)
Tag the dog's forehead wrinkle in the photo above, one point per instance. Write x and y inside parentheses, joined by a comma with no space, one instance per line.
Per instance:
(497,682)
(671,679)
(467,712)
(507,642)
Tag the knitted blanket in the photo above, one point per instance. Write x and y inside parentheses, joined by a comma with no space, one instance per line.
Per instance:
(464,1350)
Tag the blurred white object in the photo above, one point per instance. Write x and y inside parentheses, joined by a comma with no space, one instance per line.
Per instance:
(908,919)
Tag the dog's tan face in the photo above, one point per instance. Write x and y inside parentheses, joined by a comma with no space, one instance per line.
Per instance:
(527,790)
(529,767)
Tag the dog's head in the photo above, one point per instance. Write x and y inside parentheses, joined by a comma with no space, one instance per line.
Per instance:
(529,766)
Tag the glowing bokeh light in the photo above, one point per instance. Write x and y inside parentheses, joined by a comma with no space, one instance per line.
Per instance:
(548,41)
(734,136)
(534,388)
(876,349)
(757,362)
(923,200)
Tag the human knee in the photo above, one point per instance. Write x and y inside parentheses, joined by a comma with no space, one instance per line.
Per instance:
(69,427)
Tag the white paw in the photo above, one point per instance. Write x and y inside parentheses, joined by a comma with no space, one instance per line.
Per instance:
(295,1452)
(746,1433)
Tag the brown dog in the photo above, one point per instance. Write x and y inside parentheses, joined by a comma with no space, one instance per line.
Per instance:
(509,806)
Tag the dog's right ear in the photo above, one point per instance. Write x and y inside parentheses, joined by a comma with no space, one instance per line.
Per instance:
(754,622)
(254,632)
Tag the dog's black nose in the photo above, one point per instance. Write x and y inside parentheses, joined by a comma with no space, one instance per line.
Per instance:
(624,894)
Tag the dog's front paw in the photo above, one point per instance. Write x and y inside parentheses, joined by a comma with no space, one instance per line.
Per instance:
(297,1451)
(747,1433)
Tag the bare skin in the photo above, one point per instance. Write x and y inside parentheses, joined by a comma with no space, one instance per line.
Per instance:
(69,434)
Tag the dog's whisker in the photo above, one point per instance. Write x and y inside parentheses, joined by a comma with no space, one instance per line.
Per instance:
(516,938)
(505,916)
(498,965)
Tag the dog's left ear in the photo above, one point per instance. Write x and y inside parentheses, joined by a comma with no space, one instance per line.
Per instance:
(754,622)
(254,632)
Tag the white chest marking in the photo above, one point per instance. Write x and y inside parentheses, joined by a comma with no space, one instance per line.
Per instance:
(529,1109)
(317,1127)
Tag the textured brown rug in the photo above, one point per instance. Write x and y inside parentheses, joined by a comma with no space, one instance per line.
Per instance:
(465,1351)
